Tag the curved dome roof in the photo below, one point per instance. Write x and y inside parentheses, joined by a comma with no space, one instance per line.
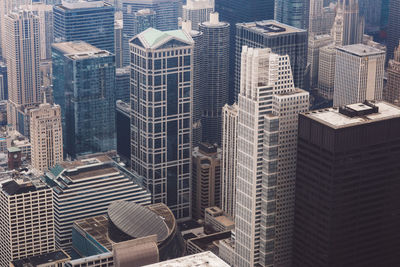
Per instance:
(136,220)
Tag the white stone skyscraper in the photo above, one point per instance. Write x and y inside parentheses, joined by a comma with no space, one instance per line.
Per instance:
(348,27)
(22,54)
(46,136)
(266,158)
(197,11)
(229,158)
(315,43)
(359,71)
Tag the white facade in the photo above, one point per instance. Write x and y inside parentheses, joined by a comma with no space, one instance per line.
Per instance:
(326,71)
(315,42)
(46,136)
(359,74)
(264,170)
(197,11)
(229,158)
(26,221)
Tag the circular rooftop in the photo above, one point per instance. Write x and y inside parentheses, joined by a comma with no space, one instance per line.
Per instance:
(137,221)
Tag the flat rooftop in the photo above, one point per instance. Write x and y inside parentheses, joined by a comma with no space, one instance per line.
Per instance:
(210,242)
(270,27)
(204,259)
(52,257)
(333,118)
(361,50)
(97,227)
(80,50)
(82,4)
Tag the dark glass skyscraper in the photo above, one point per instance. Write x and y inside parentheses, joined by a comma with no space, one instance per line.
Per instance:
(239,11)
(83,85)
(91,22)
(347,206)
(161,115)
(216,83)
(393,28)
(293,12)
(281,38)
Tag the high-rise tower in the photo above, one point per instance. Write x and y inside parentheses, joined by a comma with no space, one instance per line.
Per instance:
(267,125)
(216,83)
(393,30)
(89,21)
(392,90)
(359,73)
(197,11)
(347,188)
(22,55)
(293,12)
(46,136)
(161,118)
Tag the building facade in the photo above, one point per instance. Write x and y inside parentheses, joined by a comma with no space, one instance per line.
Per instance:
(359,73)
(122,84)
(97,177)
(88,102)
(22,54)
(281,38)
(46,136)
(229,158)
(91,22)
(206,179)
(216,80)
(393,31)
(267,126)
(293,12)
(315,43)
(26,221)
(3,81)
(326,71)
(392,90)
(161,118)
(197,12)
(347,201)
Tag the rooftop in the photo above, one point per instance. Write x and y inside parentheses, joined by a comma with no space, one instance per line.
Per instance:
(52,257)
(270,27)
(152,38)
(82,4)
(210,242)
(356,114)
(361,50)
(204,259)
(22,186)
(80,50)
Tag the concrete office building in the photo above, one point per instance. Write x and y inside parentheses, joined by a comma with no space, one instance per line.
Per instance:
(46,136)
(326,71)
(197,11)
(90,21)
(280,38)
(267,117)
(22,55)
(206,179)
(359,73)
(161,118)
(118,43)
(392,90)
(88,102)
(347,201)
(26,221)
(101,180)
(216,79)
(315,43)
(229,158)
(321,18)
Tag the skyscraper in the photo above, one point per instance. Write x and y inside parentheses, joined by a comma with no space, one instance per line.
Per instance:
(315,43)
(347,202)
(46,136)
(216,83)
(393,30)
(197,11)
(326,71)
(229,158)
(371,10)
(281,38)
(3,81)
(22,55)
(359,73)
(348,27)
(240,11)
(161,119)
(392,90)
(123,84)
(118,39)
(267,117)
(206,179)
(91,22)
(293,12)
(26,220)
(83,85)
(85,188)
(135,20)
